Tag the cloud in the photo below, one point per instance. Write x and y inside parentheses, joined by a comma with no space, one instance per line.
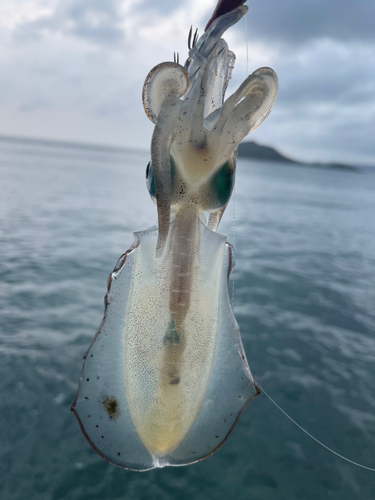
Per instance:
(74,69)
(94,20)
(296,21)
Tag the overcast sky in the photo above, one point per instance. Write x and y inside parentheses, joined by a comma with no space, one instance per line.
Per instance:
(74,69)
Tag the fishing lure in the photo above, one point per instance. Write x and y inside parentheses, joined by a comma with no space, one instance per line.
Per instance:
(166,376)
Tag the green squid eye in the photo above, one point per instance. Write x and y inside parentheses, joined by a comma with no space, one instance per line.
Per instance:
(222,184)
(150,180)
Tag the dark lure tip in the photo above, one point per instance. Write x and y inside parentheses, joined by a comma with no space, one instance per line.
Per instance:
(223,7)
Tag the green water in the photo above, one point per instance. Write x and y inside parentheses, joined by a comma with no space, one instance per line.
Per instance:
(304,294)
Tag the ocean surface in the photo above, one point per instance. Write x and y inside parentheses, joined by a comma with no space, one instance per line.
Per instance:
(304,296)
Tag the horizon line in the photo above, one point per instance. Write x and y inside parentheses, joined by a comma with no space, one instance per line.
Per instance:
(72,144)
(128,149)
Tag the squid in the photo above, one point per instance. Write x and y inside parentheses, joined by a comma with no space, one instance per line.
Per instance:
(166,377)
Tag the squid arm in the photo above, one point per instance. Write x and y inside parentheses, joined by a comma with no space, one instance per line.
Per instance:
(166,376)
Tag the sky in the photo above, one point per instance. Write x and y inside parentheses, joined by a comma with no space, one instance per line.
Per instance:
(74,69)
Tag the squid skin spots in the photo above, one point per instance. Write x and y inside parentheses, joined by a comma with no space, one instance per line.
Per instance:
(111,406)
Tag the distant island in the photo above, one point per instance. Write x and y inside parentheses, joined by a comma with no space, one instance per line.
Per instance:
(252,150)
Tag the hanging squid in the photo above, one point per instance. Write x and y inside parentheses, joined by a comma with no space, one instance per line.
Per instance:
(166,376)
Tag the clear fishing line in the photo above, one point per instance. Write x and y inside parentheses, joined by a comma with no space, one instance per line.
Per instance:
(313,437)
(247,45)
(234,189)
(234,235)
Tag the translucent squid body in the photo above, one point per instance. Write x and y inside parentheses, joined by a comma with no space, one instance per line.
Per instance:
(166,377)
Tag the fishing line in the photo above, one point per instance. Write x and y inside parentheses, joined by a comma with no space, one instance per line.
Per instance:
(313,437)
(234,189)
(234,235)
(247,45)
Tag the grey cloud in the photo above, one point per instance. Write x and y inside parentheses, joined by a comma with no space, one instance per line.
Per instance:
(160,6)
(95,20)
(295,21)
(328,78)
(325,109)
(323,53)
(298,21)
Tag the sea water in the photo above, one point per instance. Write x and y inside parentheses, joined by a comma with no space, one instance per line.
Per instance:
(304,297)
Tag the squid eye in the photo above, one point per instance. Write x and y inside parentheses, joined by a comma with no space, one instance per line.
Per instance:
(150,181)
(221,186)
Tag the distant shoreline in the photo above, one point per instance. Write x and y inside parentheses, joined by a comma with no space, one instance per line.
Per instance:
(249,150)
(252,150)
